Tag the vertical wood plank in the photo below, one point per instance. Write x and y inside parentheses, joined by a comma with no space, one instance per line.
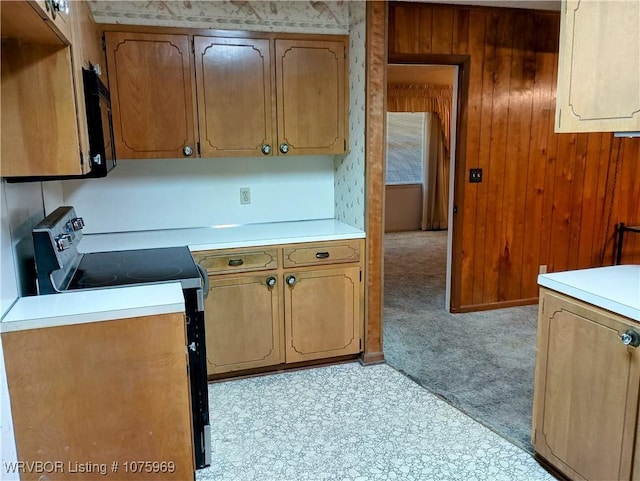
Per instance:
(593,169)
(496,178)
(461,31)
(575,223)
(483,29)
(425,31)
(442,30)
(406,29)
(542,117)
(517,156)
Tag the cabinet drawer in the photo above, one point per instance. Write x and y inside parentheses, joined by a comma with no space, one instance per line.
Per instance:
(322,253)
(241,261)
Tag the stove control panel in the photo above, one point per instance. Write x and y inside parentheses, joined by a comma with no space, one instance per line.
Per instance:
(54,241)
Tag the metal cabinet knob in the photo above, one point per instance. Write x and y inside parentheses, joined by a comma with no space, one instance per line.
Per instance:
(192,346)
(630,338)
(187,151)
(271,281)
(284,148)
(266,149)
(291,280)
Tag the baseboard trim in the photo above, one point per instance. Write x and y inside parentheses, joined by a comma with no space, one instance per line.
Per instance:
(496,305)
(371,358)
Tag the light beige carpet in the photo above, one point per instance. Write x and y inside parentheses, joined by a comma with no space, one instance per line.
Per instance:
(482,363)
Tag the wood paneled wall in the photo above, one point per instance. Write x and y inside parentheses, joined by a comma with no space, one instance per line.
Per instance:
(546,199)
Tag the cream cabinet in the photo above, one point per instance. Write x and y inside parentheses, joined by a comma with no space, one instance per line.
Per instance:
(101,393)
(269,306)
(599,67)
(587,382)
(44,127)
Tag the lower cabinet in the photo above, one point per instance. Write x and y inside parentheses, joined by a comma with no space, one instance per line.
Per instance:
(322,310)
(282,304)
(242,316)
(91,399)
(585,415)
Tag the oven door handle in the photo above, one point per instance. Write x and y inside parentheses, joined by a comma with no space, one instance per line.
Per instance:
(205,280)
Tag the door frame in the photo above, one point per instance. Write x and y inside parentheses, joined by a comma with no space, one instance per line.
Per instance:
(375,140)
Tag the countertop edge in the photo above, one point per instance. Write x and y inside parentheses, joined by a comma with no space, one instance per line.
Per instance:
(591,296)
(53,310)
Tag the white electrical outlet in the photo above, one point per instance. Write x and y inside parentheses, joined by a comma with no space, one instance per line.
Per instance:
(245,195)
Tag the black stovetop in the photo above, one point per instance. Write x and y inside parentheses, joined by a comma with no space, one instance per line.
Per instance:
(141,266)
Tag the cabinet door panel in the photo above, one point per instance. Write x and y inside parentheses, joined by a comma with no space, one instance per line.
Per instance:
(39,124)
(150,83)
(599,67)
(310,79)
(322,312)
(242,319)
(102,392)
(234,91)
(586,393)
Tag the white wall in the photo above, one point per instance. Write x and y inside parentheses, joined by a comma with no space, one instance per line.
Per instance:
(21,207)
(178,193)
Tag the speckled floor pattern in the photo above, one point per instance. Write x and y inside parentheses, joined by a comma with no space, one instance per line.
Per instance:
(351,423)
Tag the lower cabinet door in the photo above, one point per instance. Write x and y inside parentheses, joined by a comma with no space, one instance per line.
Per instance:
(586,392)
(242,323)
(322,313)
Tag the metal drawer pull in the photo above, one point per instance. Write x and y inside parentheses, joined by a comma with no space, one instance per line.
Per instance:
(630,338)
(235,262)
(271,281)
(291,280)
(322,255)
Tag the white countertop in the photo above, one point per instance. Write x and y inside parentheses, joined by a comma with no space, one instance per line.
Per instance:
(78,307)
(223,237)
(615,288)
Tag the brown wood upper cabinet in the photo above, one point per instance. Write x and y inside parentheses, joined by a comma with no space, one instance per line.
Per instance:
(44,128)
(256,95)
(599,67)
(151,95)
(270,96)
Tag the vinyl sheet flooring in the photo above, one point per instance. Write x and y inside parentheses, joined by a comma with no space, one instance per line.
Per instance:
(347,422)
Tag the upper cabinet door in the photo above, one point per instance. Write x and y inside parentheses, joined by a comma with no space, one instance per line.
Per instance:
(151,95)
(234,88)
(311,96)
(599,67)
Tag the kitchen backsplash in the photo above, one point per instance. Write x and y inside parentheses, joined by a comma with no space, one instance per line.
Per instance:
(269,16)
(171,193)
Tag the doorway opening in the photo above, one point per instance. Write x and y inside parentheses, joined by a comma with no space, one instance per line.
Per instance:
(420,169)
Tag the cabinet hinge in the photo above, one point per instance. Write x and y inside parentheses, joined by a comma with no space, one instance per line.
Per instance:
(360,276)
(344,50)
(198,147)
(193,45)
(345,145)
(559,117)
(104,43)
(361,344)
